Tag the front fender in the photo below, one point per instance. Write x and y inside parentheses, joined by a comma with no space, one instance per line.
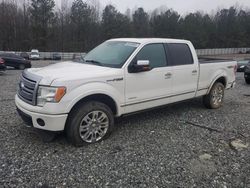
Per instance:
(95,88)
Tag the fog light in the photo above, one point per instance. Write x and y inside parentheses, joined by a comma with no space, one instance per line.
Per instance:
(40,122)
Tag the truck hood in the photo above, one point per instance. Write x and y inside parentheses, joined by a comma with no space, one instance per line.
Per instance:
(71,71)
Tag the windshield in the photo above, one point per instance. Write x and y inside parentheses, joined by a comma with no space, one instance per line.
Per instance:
(111,53)
(34,53)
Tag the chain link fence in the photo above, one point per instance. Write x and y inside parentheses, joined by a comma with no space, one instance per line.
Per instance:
(200,52)
(222,51)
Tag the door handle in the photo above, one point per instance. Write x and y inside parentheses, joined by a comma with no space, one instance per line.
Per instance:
(168,75)
(194,71)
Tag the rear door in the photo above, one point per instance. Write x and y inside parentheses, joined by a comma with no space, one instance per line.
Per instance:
(185,71)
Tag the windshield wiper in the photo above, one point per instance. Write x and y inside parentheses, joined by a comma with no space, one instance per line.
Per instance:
(94,62)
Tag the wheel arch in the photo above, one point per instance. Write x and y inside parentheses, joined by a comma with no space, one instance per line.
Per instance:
(221,79)
(99,97)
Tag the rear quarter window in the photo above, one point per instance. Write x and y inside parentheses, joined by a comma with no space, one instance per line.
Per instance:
(179,54)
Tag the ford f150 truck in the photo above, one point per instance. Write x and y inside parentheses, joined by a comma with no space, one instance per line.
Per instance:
(118,77)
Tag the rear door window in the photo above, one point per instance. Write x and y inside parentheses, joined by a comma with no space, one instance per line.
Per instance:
(180,54)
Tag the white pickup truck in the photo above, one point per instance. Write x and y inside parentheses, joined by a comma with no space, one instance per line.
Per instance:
(118,77)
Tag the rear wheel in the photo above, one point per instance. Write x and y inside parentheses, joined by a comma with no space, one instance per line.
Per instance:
(21,67)
(214,98)
(89,123)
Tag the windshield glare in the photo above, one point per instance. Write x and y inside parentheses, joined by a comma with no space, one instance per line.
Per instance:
(111,53)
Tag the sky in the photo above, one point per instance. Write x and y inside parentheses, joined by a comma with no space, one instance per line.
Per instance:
(181,6)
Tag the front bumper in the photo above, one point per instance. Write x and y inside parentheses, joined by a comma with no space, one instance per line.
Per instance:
(49,122)
(34,58)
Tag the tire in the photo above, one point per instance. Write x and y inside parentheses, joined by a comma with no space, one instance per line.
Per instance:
(247,81)
(21,67)
(91,126)
(214,98)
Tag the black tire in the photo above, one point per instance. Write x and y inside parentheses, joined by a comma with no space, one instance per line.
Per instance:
(21,67)
(79,113)
(209,100)
(247,81)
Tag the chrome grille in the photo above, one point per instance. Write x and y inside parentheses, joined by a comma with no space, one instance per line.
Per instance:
(28,87)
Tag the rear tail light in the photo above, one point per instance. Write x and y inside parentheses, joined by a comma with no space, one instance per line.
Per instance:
(1,61)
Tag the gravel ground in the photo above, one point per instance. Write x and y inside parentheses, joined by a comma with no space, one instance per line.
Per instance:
(180,145)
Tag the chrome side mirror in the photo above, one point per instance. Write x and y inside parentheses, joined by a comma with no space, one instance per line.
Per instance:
(143,63)
(139,66)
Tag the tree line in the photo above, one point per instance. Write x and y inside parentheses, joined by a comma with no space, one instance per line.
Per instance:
(80,26)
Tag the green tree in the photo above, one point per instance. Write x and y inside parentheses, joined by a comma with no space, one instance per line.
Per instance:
(42,17)
(141,27)
(229,29)
(81,23)
(165,24)
(27,24)
(197,28)
(115,24)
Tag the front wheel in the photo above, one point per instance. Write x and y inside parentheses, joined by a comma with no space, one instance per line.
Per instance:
(214,98)
(89,123)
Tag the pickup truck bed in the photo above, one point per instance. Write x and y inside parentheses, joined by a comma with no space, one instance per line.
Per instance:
(213,68)
(203,60)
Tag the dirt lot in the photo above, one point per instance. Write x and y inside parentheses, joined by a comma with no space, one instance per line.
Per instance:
(180,145)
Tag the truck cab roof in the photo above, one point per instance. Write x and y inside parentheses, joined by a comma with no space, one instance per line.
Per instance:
(151,40)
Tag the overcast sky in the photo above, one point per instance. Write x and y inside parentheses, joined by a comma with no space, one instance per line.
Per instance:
(182,6)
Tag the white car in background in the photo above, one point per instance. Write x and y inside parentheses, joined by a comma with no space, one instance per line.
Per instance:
(34,55)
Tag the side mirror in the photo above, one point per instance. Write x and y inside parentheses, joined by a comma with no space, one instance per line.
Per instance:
(140,66)
(144,63)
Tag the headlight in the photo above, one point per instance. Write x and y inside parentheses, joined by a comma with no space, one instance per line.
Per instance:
(49,94)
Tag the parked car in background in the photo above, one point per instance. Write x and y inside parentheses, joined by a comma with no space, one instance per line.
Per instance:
(247,73)
(2,65)
(241,65)
(56,56)
(78,56)
(52,56)
(35,50)
(25,55)
(16,61)
(34,56)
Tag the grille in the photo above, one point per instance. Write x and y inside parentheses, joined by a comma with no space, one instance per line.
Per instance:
(28,88)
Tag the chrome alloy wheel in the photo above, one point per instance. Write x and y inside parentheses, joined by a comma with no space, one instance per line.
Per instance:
(218,95)
(94,126)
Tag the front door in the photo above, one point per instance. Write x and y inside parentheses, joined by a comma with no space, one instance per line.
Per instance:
(151,88)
